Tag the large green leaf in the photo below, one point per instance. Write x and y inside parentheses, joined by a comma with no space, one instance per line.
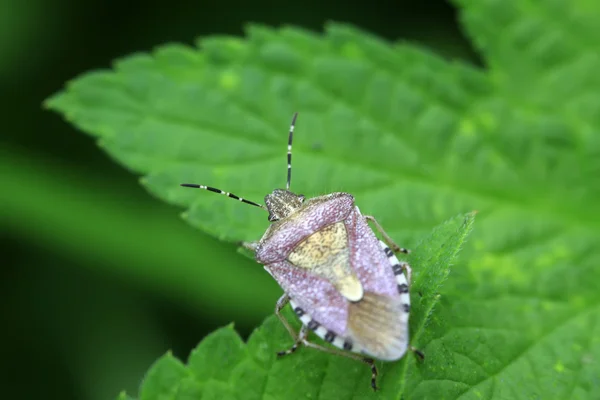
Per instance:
(416,139)
(223,367)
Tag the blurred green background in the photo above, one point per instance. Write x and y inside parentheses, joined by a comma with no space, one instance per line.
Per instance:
(99,279)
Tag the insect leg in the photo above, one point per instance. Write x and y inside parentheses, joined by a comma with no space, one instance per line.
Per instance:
(249,245)
(282,302)
(366,360)
(299,341)
(386,237)
(302,339)
(417,352)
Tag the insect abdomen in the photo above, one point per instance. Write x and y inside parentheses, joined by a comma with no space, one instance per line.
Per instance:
(378,324)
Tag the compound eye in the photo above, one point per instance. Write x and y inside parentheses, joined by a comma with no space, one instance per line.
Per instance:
(272,218)
(301,197)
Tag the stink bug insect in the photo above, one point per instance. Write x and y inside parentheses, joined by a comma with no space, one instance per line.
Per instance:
(341,281)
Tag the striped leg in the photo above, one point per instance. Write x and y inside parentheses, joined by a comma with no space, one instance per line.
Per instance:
(366,360)
(417,352)
(302,339)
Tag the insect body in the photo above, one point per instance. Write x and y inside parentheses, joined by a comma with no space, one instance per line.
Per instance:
(341,281)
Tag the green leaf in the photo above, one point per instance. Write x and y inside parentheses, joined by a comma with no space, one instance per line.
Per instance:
(237,141)
(223,365)
(216,356)
(163,378)
(415,138)
(433,260)
(124,396)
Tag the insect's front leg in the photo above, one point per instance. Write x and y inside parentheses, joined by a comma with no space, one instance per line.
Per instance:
(388,240)
(249,245)
(386,237)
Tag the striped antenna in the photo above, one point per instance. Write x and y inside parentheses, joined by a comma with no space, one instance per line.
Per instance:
(289,153)
(233,196)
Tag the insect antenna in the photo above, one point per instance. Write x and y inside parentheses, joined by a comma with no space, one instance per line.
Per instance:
(289,152)
(233,196)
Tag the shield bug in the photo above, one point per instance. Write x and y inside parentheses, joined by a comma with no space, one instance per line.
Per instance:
(343,283)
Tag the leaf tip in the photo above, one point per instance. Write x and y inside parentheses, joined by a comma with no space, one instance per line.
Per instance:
(53,102)
(143,180)
(469,219)
(123,395)
(47,103)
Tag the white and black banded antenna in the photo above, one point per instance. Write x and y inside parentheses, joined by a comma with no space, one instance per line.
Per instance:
(231,195)
(235,197)
(289,152)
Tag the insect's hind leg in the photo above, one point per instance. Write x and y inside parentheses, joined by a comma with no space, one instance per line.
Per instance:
(365,360)
(281,303)
(386,237)
(417,352)
(301,339)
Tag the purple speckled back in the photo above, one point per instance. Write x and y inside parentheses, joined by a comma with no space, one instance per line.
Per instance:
(314,294)
(367,258)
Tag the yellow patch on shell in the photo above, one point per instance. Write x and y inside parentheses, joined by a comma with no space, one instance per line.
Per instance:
(326,254)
